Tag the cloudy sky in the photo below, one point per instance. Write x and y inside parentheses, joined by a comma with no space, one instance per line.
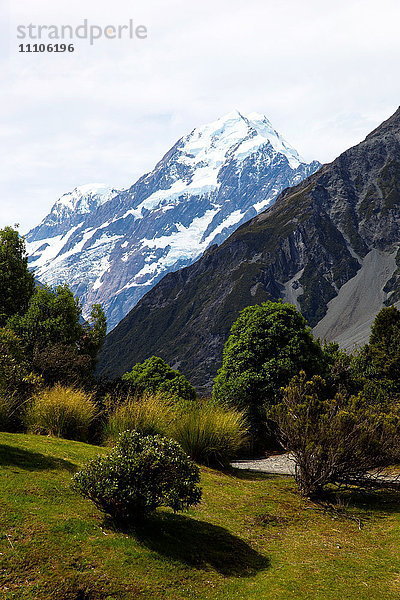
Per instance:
(325,74)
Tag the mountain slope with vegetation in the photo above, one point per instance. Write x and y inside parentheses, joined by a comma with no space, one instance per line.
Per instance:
(317,238)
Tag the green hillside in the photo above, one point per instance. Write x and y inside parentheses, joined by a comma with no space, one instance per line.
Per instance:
(252,537)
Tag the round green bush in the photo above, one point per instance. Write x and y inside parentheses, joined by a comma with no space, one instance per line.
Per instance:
(139,475)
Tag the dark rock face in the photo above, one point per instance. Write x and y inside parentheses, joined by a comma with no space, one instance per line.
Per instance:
(315,238)
(113,247)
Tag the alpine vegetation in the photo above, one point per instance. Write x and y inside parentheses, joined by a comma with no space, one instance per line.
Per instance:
(139,475)
(62,412)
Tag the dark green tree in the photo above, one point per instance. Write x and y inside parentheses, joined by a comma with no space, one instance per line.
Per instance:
(17,382)
(384,345)
(95,330)
(155,375)
(52,317)
(339,374)
(377,364)
(267,346)
(16,282)
(60,345)
(14,366)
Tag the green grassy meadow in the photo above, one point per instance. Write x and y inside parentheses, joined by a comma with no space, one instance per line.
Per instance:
(252,538)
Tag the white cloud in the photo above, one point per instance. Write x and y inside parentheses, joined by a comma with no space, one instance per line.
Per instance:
(324,74)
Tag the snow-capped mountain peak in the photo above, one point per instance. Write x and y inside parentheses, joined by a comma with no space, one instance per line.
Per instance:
(112,247)
(234,134)
(82,200)
(78,198)
(72,208)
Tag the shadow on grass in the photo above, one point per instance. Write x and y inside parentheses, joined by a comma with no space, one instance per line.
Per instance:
(249,475)
(32,461)
(200,545)
(370,500)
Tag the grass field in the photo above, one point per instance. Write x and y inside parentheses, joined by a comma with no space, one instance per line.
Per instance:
(252,538)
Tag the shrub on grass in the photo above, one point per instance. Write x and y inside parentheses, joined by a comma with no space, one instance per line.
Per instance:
(139,475)
(211,433)
(62,412)
(149,414)
(334,440)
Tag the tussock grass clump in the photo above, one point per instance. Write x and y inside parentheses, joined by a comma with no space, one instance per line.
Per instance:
(149,414)
(211,433)
(61,411)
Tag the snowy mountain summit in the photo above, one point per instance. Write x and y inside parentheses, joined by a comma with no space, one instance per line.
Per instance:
(72,207)
(112,247)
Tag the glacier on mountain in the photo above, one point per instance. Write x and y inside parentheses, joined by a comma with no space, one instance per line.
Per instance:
(112,246)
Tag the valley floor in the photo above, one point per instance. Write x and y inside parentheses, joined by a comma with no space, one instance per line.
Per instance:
(252,537)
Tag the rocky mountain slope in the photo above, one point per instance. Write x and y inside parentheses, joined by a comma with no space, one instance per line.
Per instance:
(112,247)
(330,245)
